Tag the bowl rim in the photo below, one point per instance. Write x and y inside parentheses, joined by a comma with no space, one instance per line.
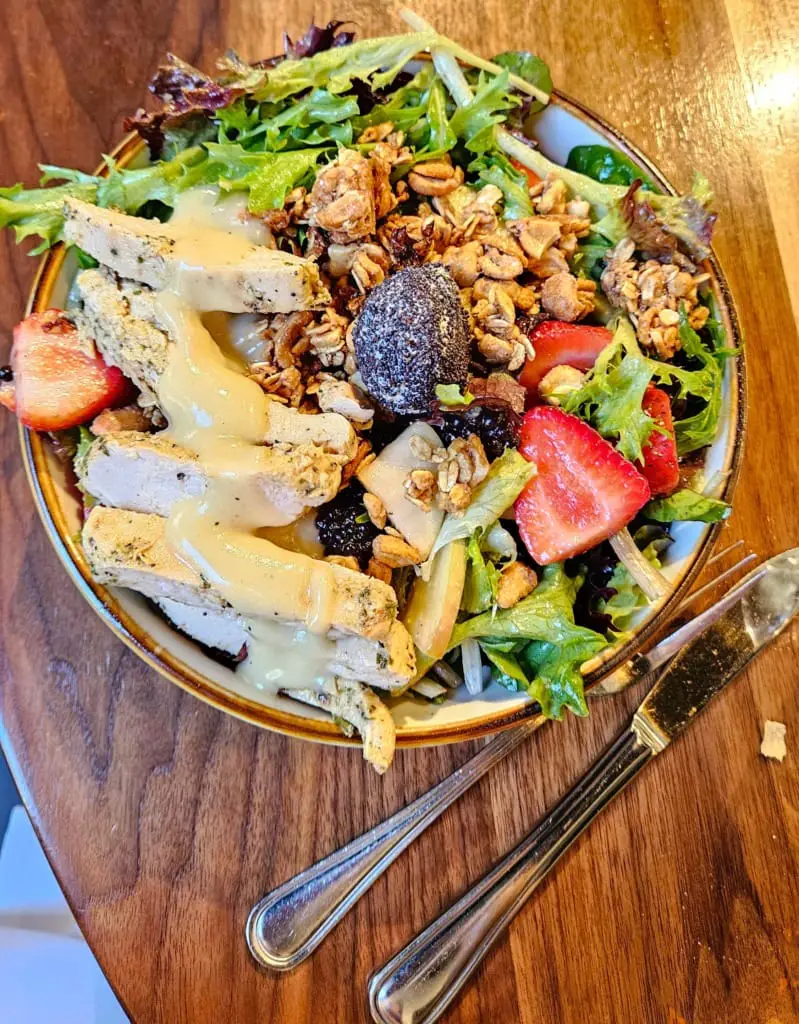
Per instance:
(168,665)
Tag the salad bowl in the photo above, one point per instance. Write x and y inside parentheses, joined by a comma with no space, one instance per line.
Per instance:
(562,125)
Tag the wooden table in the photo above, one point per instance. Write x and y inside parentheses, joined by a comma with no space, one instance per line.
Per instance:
(165,820)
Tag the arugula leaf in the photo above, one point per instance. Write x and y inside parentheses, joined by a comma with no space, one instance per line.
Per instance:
(529,67)
(505,481)
(612,394)
(611,166)
(688,506)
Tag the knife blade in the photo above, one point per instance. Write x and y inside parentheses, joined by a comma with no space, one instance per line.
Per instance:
(762,605)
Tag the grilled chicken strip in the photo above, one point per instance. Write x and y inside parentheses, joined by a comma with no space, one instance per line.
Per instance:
(150,473)
(129,549)
(388,664)
(214,269)
(123,321)
(363,709)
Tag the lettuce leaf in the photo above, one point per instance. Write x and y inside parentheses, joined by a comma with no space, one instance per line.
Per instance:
(688,506)
(629,598)
(268,177)
(336,69)
(529,67)
(506,479)
(482,578)
(39,212)
(551,662)
(450,394)
(612,394)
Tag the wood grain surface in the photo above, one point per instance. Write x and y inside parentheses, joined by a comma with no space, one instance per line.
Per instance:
(165,820)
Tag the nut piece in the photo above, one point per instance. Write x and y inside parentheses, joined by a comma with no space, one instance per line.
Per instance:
(395,552)
(342,198)
(515,582)
(559,382)
(456,500)
(379,570)
(347,561)
(435,178)
(420,488)
(376,510)
(567,297)
(111,421)
(344,398)
(463,262)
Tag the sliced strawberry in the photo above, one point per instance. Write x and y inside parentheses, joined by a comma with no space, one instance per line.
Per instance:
(532,177)
(59,381)
(557,343)
(584,490)
(660,467)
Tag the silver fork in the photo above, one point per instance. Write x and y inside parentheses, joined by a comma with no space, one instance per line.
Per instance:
(288,924)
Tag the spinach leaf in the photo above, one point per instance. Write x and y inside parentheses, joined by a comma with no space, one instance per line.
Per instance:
(686,505)
(607,165)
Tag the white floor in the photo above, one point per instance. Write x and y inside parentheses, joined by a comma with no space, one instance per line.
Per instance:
(47,972)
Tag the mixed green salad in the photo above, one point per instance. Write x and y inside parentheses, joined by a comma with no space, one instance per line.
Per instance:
(527,355)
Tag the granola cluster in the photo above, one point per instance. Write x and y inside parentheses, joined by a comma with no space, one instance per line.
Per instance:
(459,469)
(653,293)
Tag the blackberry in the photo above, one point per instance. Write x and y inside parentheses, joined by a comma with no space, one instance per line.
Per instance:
(494,422)
(344,527)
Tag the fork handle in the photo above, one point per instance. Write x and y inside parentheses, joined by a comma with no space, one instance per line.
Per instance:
(287,925)
(417,985)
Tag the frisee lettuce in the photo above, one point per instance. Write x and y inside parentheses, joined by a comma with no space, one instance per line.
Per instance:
(612,393)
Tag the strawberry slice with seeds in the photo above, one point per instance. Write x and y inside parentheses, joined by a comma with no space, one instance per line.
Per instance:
(58,380)
(561,344)
(661,466)
(584,490)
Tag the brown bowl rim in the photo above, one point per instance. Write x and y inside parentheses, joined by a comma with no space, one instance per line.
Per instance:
(172,668)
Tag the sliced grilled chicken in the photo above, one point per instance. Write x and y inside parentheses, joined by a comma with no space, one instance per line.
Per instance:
(129,549)
(149,473)
(134,344)
(214,269)
(389,664)
(363,709)
(123,320)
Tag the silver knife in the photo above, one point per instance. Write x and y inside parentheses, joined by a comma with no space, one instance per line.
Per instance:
(288,924)
(418,984)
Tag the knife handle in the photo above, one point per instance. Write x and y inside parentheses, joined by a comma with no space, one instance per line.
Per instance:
(419,983)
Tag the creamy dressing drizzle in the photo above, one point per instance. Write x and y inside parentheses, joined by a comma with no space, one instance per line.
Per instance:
(216,411)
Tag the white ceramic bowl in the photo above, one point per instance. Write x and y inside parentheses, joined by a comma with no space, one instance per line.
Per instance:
(562,125)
